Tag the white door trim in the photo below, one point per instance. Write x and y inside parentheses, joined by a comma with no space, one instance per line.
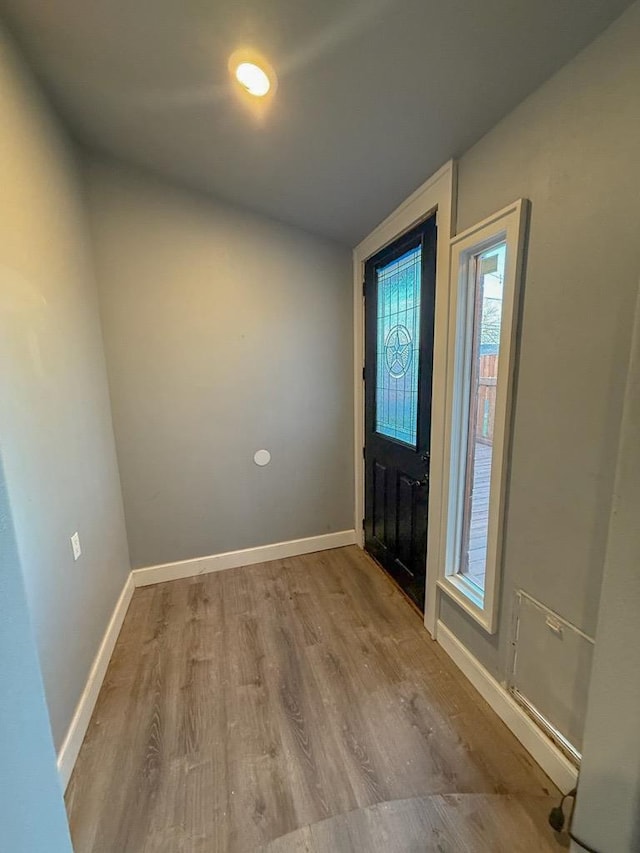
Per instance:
(437,193)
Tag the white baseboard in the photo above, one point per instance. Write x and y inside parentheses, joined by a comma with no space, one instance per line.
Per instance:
(80,722)
(245,557)
(542,749)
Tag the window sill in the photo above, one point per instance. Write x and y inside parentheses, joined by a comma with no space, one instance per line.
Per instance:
(470,599)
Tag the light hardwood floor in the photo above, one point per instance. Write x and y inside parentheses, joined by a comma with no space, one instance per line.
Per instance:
(297,705)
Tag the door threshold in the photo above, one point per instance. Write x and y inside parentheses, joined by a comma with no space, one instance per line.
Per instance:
(396,586)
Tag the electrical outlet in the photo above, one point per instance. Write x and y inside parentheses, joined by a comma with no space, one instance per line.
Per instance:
(75,544)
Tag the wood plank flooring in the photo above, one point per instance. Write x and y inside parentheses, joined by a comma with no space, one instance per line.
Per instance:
(283,706)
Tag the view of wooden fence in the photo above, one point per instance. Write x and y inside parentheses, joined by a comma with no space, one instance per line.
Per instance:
(486,408)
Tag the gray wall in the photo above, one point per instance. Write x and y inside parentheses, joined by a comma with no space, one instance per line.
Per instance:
(608,808)
(225,333)
(55,420)
(573,148)
(32,817)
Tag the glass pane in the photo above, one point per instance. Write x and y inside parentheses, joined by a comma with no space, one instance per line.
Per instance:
(485,303)
(398,343)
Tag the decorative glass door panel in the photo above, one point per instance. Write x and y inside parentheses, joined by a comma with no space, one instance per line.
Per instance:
(398,346)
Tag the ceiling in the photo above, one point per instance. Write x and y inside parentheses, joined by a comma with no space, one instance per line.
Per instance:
(373,95)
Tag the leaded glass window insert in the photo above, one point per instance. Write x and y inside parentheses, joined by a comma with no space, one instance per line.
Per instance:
(398,344)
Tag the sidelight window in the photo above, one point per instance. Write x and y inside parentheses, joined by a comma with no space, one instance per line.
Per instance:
(484,322)
(486,263)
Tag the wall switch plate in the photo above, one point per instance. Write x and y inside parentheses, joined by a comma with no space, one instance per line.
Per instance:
(75,544)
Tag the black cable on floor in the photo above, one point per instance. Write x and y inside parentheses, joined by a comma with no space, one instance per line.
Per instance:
(582,844)
(557,820)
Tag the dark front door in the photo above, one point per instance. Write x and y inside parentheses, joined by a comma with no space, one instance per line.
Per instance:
(399,309)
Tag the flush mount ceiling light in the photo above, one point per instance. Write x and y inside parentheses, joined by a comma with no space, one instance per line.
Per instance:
(254,81)
(253,78)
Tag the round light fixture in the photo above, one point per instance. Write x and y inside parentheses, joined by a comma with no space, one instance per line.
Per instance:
(253,79)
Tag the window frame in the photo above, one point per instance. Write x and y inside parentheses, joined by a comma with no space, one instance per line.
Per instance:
(507,225)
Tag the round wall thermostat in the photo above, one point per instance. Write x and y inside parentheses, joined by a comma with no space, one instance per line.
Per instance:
(262,457)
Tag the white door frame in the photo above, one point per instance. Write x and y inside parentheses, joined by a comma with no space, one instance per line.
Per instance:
(438,193)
